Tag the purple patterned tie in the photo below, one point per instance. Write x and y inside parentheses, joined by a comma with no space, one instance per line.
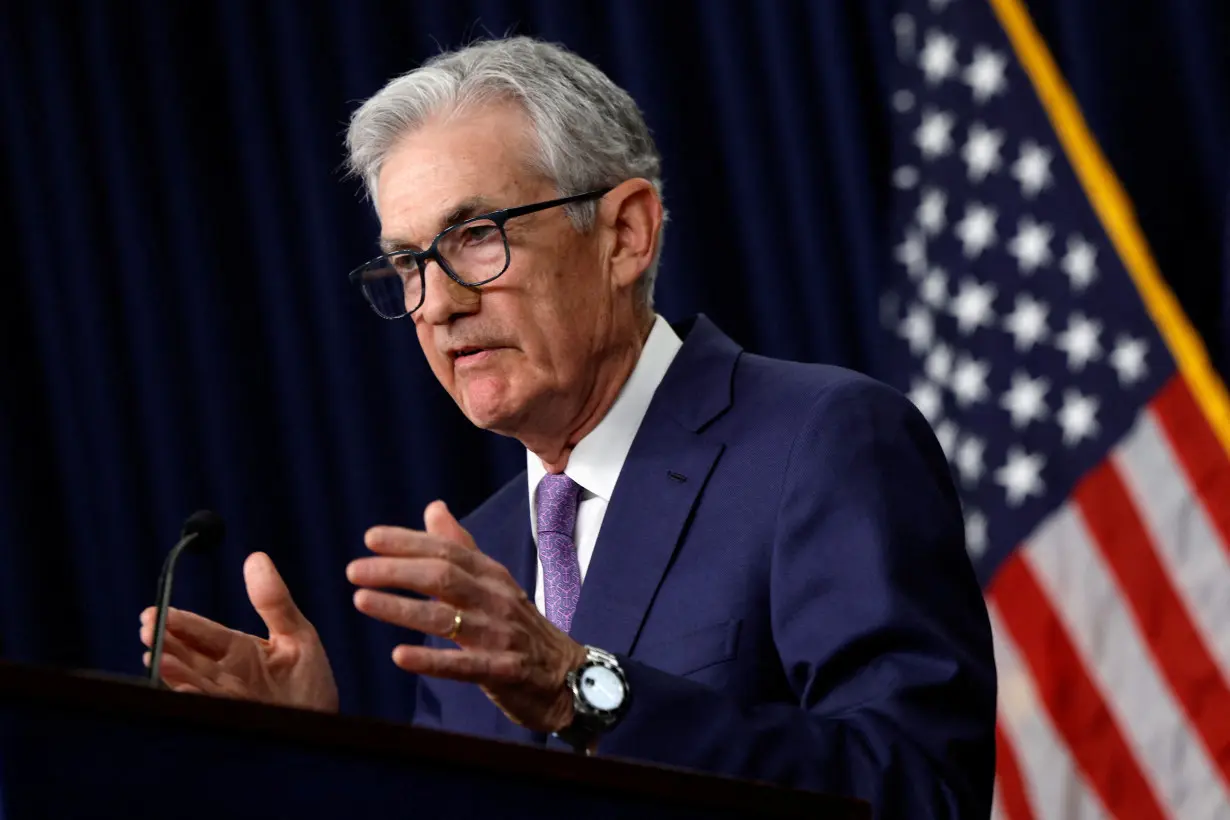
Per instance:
(561,573)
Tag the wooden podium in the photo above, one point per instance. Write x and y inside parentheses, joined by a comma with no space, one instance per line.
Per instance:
(77,745)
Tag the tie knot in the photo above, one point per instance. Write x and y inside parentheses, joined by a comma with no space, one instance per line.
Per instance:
(557,503)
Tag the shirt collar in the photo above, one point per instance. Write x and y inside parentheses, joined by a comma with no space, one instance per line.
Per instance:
(597,459)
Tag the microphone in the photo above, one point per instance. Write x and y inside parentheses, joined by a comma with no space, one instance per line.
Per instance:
(202,531)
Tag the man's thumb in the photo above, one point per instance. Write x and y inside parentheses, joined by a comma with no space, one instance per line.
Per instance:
(440,521)
(270,597)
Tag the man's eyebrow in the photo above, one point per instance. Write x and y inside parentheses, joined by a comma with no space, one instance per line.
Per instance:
(463,210)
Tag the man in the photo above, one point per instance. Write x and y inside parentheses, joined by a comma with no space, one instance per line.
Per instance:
(775,582)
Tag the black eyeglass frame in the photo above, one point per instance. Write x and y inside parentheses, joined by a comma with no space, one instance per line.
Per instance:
(421,258)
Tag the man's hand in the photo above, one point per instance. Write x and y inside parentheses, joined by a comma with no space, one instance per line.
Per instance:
(290,668)
(517,656)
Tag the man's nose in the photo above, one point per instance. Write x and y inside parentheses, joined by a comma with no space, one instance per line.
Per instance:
(445,297)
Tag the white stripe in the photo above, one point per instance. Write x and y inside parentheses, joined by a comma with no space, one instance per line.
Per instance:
(997,810)
(1104,632)
(1055,787)
(1186,541)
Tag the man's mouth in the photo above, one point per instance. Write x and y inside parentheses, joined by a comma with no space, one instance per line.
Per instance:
(472,354)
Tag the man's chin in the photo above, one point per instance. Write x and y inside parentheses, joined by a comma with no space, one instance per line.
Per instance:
(487,406)
(491,422)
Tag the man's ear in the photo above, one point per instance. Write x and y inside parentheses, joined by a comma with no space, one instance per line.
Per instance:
(632,212)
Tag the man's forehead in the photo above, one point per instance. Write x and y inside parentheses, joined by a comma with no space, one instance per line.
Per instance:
(451,169)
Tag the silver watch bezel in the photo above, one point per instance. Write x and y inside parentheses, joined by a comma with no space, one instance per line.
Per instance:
(596,718)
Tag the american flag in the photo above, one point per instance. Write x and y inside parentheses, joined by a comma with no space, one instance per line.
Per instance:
(1083,424)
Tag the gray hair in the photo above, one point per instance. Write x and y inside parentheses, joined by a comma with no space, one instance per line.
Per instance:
(590,132)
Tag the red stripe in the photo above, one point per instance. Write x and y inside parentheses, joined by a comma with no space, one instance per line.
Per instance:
(1008,781)
(1199,452)
(1161,616)
(1074,703)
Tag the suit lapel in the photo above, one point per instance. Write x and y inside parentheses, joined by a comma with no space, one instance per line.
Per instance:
(502,530)
(523,564)
(660,483)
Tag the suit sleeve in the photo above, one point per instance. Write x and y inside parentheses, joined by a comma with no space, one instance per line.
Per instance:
(880,627)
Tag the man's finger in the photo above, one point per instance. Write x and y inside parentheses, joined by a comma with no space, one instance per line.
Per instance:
(198,663)
(271,598)
(467,665)
(401,542)
(175,672)
(434,577)
(208,637)
(440,521)
(191,658)
(187,688)
(431,617)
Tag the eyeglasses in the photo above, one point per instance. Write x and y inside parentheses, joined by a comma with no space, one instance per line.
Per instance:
(472,253)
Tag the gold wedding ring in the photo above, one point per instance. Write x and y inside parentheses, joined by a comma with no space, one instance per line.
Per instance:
(452,633)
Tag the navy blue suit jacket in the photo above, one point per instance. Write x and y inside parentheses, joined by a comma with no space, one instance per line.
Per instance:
(782,571)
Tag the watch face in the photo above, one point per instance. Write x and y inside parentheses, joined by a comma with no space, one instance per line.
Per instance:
(602,688)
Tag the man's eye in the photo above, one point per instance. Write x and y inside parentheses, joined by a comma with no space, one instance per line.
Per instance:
(475,234)
(404,265)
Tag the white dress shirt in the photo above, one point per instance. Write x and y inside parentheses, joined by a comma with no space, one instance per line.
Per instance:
(598,458)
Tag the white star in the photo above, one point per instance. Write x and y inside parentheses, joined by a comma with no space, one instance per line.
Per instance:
(1032,168)
(905,177)
(934,289)
(985,74)
(1080,263)
(969,380)
(1025,401)
(975,534)
(938,58)
(934,136)
(917,328)
(912,252)
(969,459)
(1128,360)
(946,435)
(976,230)
(1078,417)
(1080,341)
(938,364)
(930,214)
(928,399)
(1027,322)
(981,151)
(1021,475)
(972,306)
(903,101)
(1032,245)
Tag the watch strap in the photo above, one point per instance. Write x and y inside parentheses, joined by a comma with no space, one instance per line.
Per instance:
(583,740)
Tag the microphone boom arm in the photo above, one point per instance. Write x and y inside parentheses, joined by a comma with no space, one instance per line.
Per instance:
(203,530)
(163,605)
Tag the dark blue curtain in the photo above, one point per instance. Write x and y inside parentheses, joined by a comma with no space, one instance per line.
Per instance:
(176,327)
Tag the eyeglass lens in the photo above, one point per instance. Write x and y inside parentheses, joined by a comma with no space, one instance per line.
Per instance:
(475,253)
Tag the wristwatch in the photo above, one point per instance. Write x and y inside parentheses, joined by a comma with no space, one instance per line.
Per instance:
(600,698)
